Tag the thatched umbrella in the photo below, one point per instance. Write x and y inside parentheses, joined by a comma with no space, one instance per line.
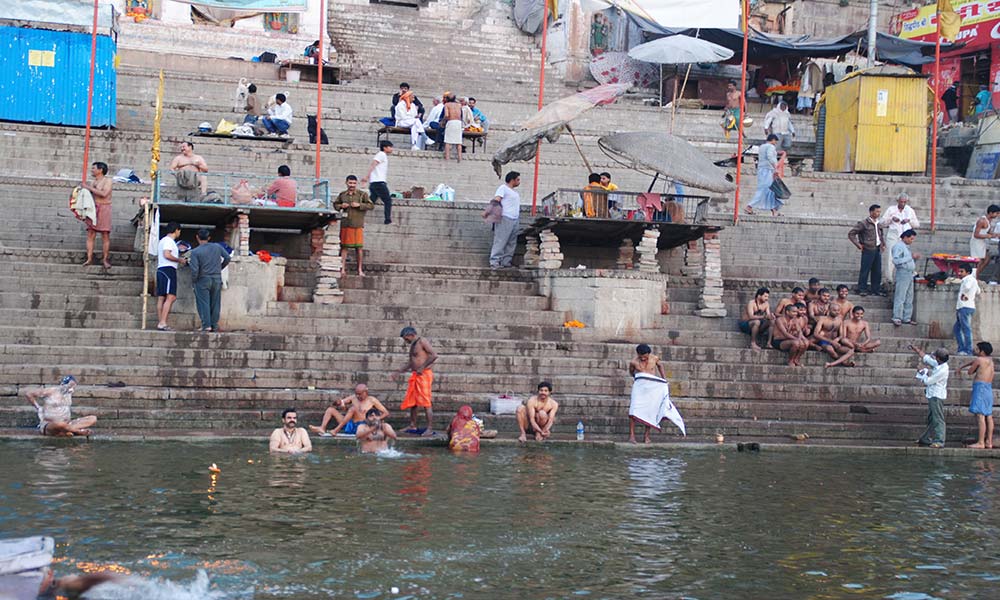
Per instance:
(661,153)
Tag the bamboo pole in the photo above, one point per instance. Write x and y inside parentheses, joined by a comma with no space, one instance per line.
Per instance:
(154,173)
(90,94)
(673,105)
(580,150)
(541,97)
(743,109)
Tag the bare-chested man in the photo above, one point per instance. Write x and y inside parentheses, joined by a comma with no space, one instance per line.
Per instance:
(802,312)
(820,307)
(348,422)
(757,317)
(374,433)
(289,438)
(53,405)
(788,336)
(856,334)
(537,414)
(187,160)
(100,189)
(798,295)
(981,403)
(418,390)
(826,337)
(644,362)
(812,290)
(841,304)
(731,115)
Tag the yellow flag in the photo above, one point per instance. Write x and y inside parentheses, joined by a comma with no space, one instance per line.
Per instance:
(948,20)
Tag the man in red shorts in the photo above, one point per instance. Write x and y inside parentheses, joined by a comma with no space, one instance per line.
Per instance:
(352,229)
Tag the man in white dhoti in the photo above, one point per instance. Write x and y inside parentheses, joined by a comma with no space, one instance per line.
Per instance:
(650,395)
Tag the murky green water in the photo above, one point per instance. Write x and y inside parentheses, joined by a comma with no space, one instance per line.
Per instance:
(552,522)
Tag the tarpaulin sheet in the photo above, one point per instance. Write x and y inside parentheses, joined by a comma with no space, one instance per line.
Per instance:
(79,13)
(528,15)
(253,5)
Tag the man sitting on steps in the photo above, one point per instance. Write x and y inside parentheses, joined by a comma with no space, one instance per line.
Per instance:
(788,336)
(279,117)
(348,422)
(537,414)
(855,333)
(53,405)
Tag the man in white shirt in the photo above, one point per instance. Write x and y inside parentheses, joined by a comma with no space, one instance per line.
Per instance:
(505,232)
(432,125)
(965,307)
(167,259)
(935,379)
(779,122)
(377,178)
(279,116)
(897,219)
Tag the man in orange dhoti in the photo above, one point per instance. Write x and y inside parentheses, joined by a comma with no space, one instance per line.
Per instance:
(418,390)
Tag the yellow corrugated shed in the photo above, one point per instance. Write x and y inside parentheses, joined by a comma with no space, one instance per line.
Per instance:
(876,122)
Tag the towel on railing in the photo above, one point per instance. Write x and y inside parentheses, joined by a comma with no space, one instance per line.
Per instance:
(651,403)
(649,202)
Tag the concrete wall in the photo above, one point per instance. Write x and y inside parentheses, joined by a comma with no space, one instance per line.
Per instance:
(937,308)
(617,303)
(252,284)
(829,18)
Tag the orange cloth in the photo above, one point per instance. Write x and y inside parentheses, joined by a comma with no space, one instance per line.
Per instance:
(352,237)
(464,431)
(408,98)
(418,391)
(592,201)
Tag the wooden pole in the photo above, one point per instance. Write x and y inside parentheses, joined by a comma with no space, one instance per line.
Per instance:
(541,97)
(743,109)
(90,94)
(673,109)
(319,85)
(154,174)
(580,150)
(934,122)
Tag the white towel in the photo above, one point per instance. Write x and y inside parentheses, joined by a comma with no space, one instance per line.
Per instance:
(651,402)
(82,205)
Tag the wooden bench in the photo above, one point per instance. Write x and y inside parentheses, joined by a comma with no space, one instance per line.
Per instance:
(230,136)
(477,137)
(307,71)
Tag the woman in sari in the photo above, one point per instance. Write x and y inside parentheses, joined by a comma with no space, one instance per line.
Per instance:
(464,431)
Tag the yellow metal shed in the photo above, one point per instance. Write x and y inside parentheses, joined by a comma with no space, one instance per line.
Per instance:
(876,122)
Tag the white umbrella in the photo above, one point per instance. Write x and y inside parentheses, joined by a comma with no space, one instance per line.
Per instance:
(679,50)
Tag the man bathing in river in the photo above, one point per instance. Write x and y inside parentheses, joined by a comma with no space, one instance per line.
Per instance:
(360,404)
(418,390)
(644,362)
(53,406)
(288,438)
(537,414)
(374,434)
(981,403)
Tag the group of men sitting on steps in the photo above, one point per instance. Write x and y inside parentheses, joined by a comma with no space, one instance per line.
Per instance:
(809,319)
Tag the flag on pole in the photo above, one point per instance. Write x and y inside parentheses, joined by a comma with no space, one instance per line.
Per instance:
(949,21)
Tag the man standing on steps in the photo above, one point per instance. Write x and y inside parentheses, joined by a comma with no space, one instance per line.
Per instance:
(352,229)
(167,259)
(100,189)
(904,261)
(896,219)
(965,308)
(935,379)
(378,177)
(207,262)
(869,237)
(505,232)
(418,390)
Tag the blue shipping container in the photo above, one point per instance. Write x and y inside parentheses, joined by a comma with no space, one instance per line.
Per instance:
(44,77)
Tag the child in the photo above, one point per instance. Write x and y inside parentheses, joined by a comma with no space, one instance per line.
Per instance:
(981,403)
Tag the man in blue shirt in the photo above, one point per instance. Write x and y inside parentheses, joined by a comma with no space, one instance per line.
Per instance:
(478,115)
(207,262)
(984,100)
(904,262)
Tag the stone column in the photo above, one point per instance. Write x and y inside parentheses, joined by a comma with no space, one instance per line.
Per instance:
(626,254)
(330,268)
(710,303)
(694,260)
(647,251)
(316,238)
(532,249)
(550,255)
(243,230)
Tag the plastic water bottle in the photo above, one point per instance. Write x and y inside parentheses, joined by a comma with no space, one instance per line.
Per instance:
(579,431)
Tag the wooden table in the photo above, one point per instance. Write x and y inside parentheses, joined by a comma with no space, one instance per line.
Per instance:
(477,137)
(331,73)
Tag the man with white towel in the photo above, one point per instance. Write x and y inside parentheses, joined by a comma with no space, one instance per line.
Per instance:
(650,402)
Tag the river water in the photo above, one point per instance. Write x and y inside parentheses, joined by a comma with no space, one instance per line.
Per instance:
(530,522)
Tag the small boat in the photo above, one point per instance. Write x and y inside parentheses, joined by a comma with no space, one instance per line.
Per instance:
(24,566)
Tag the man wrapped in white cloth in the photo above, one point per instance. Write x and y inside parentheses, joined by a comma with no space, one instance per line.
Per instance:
(897,219)
(650,401)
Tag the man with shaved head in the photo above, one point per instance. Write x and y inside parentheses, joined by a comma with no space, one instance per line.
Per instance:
(360,404)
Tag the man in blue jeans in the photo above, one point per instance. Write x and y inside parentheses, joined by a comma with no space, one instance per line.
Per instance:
(279,116)
(965,307)
(207,262)
(869,237)
(903,261)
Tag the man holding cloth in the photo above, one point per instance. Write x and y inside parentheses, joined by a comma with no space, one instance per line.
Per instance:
(935,379)
(902,299)
(869,237)
(207,262)
(896,219)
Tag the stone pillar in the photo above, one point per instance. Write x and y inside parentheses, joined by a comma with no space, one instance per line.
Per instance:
(243,229)
(626,254)
(316,237)
(550,255)
(710,303)
(647,251)
(330,268)
(694,260)
(532,249)
(577,43)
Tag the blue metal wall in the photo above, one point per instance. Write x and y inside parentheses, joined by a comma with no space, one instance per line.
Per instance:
(44,77)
